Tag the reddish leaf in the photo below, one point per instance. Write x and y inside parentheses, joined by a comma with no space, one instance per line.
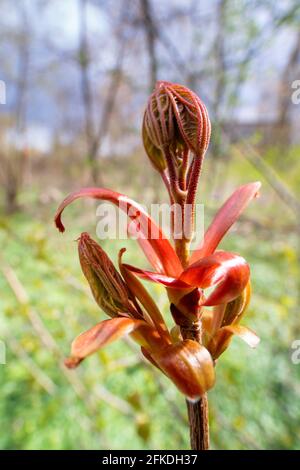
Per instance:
(217,318)
(225,218)
(247,335)
(156,277)
(157,248)
(138,290)
(228,270)
(221,340)
(189,365)
(206,322)
(235,310)
(149,358)
(101,335)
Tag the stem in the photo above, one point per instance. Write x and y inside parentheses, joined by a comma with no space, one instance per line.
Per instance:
(167,185)
(197,412)
(182,248)
(194,177)
(198,419)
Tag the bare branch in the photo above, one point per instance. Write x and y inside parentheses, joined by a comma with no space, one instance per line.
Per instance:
(150,31)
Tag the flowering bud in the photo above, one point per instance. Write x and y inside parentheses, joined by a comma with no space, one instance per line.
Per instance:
(175,117)
(107,286)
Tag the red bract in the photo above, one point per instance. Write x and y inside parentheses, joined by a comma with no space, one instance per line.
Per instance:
(175,122)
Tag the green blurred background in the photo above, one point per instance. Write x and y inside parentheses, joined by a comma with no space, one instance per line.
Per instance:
(77,76)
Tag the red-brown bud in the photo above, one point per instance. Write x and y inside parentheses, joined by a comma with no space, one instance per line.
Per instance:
(107,285)
(175,117)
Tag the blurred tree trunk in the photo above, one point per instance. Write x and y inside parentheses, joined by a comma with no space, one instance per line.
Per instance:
(13,165)
(10,188)
(12,172)
(86,89)
(219,95)
(94,134)
(150,31)
(220,76)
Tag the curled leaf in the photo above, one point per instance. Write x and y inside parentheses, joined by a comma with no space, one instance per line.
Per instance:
(167,281)
(99,336)
(189,365)
(154,243)
(221,340)
(228,271)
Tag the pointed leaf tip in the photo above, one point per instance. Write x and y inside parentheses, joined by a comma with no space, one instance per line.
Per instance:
(58,223)
(222,339)
(225,218)
(72,362)
(101,335)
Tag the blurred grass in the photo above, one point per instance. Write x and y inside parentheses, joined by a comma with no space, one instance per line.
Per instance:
(116,401)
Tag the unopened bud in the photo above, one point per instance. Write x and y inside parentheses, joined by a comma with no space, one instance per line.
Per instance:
(175,117)
(107,285)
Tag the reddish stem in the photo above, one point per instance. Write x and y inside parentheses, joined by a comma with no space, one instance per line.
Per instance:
(197,412)
(199,427)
